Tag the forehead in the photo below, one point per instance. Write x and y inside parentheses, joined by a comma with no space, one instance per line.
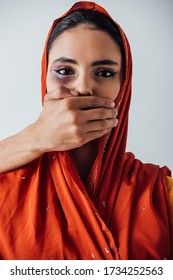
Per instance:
(85,41)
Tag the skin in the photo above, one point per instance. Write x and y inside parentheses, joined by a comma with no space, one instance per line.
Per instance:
(94,67)
(83,80)
(97,71)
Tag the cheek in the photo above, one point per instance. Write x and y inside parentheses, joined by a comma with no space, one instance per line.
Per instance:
(53,82)
(109,90)
(50,83)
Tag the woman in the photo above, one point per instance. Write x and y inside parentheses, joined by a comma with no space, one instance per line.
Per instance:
(78,195)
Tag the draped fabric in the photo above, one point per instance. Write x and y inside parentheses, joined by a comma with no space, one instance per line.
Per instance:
(122,212)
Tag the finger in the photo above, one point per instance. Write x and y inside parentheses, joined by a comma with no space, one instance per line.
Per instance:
(99,125)
(60,93)
(87,102)
(96,134)
(99,114)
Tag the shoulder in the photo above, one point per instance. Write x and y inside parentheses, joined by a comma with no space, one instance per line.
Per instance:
(169,183)
(134,165)
(148,173)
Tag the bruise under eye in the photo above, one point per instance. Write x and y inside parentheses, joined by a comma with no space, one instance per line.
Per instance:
(61,76)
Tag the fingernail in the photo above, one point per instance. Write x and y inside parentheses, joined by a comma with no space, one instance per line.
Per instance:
(116,122)
(115,112)
(112,104)
(73,92)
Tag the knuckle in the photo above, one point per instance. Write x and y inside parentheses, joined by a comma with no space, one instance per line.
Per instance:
(75,129)
(79,140)
(94,101)
(73,118)
(107,103)
(99,114)
(67,104)
(103,124)
(103,113)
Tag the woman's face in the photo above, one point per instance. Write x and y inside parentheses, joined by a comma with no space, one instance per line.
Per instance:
(87,61)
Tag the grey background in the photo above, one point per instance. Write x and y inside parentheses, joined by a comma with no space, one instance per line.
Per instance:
(148,25)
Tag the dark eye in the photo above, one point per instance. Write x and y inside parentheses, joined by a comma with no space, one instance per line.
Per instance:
(105,73)
(64,72)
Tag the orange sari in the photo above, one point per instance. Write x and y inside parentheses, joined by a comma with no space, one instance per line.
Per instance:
(123,211)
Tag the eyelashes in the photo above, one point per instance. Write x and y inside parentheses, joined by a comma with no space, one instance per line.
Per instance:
(64,72)
(105,73)
(67,72)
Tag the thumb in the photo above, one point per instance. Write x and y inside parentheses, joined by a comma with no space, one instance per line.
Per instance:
(60,93)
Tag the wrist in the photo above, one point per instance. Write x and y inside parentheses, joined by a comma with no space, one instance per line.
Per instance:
(33,140)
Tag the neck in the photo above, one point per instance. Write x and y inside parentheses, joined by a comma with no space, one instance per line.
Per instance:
(85,157)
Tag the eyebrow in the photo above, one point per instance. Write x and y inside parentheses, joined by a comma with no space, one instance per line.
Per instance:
(94,63)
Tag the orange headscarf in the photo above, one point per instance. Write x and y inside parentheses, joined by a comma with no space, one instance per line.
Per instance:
(122,212)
